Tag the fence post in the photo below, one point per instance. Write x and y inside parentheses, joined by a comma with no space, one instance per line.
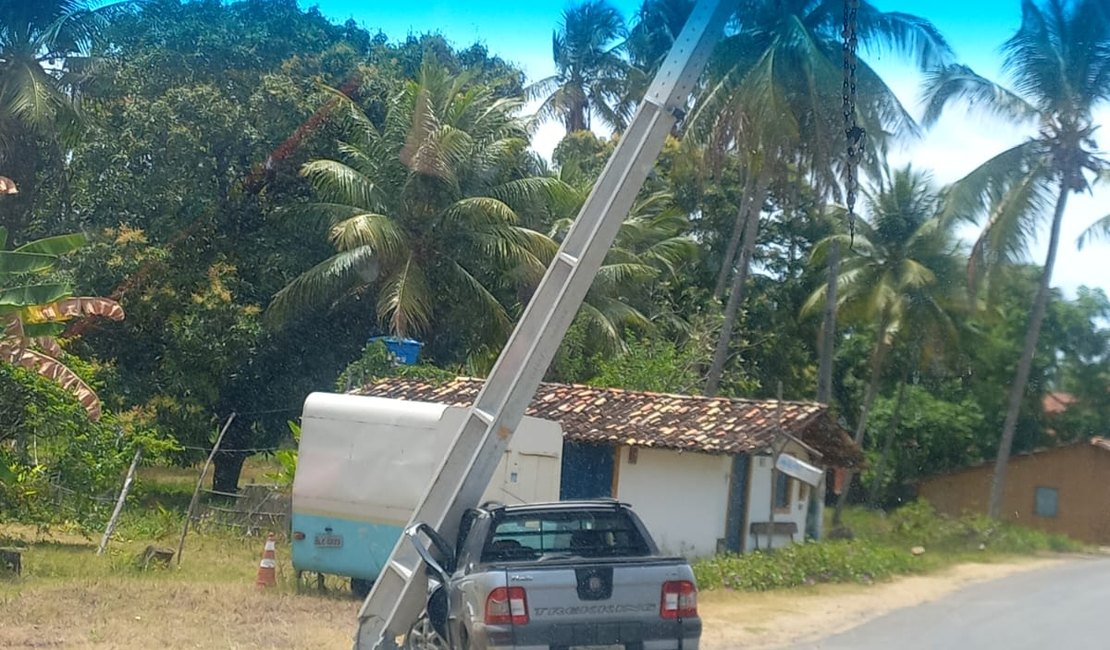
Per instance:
(119,502)
(196,491)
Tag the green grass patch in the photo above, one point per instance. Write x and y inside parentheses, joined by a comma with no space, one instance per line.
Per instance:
(802,564)
(881,548)
(918,524)
(209,556)
(154,515)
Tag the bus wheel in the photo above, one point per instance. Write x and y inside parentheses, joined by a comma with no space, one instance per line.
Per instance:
(361,587)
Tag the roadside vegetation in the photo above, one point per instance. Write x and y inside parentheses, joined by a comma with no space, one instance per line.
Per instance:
(69,597)
(883,547)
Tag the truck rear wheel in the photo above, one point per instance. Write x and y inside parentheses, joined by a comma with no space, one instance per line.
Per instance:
(361,587)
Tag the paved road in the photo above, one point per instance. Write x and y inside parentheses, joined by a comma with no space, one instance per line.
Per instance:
(1063,606)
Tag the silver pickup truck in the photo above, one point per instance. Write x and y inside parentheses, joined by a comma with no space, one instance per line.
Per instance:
(566,575)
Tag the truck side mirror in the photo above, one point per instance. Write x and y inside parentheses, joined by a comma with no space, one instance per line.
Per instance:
(448,565)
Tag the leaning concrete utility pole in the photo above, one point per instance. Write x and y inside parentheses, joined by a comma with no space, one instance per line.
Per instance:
(398,596)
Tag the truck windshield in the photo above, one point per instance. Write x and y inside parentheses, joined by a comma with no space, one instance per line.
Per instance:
(531,536)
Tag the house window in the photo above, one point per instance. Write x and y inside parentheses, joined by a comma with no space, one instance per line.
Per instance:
(784,486)
(1045,501)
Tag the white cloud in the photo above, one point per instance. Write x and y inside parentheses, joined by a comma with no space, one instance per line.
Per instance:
(961,141)
(547,137)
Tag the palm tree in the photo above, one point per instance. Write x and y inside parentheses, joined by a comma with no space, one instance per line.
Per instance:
(650,246)
(32,309)
(43,44)
(1059,63)
(45,50)
(423,211)
(590,73)
(897,276)
(777,101)
(940,329)
(655,29)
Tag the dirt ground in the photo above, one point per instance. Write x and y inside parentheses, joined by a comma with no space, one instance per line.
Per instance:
(160,611)
(780,618)
(122,613)
(70,598)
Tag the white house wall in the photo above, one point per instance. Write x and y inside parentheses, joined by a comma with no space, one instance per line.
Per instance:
(759,502)
(681,497)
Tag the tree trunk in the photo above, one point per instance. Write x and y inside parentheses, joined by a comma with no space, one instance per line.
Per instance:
(1025,365)
(576,120)
(733,243)
(746,201)
(735,298)
(225,474)
(827,345)
(877,357)
(888,444)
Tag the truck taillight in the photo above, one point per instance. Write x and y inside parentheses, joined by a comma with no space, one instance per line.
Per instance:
(506,605)
(679,599)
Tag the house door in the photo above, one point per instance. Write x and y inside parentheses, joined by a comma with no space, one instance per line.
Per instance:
(737,504)
(587,471)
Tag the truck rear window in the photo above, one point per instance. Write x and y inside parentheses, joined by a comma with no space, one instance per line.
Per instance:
(593,534)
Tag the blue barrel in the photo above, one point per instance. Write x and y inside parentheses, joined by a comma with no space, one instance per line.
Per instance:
(403,351)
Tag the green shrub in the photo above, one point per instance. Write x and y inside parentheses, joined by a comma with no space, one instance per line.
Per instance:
(808,563)
(881,549)
(287,459)
(56,465)
(153,523)
(919,523)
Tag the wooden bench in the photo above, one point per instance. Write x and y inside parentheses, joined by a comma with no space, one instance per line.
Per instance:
(780,528)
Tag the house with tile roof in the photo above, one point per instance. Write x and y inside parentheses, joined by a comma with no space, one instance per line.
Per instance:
(700,471)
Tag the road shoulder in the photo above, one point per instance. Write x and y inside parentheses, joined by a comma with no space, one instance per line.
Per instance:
(779,618)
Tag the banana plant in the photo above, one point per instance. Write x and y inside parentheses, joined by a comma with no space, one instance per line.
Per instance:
(33,308)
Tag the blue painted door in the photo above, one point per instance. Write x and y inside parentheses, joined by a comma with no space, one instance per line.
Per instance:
(737,503)
(587,471)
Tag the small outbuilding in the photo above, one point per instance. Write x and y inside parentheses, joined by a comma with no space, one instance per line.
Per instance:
(1060,489)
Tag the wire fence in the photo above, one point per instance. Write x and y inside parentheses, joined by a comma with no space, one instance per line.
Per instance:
(254,510)
(245,450)
(99,498)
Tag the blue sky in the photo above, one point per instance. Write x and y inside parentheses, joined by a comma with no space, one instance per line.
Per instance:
(520,32)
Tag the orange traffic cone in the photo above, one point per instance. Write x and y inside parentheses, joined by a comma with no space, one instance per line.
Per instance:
(267,568)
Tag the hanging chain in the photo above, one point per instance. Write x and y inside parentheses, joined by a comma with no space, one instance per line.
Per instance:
(852,132)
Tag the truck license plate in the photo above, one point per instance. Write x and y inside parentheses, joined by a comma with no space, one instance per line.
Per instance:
(329,541)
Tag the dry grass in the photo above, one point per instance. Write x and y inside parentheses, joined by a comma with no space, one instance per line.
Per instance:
(70,598)
(129,613)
